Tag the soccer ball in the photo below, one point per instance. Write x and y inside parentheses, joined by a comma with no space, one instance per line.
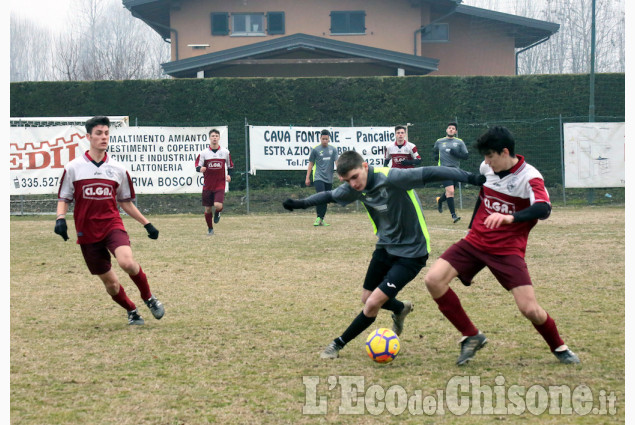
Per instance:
(382,345)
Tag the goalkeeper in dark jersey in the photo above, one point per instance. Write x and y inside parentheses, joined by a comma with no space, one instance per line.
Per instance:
(397,217)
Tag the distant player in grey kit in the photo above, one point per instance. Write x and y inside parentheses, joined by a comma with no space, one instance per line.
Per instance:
(448,151)
(321,166)
(396,214)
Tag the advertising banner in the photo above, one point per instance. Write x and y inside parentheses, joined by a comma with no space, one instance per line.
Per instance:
(159,159)
(288,148)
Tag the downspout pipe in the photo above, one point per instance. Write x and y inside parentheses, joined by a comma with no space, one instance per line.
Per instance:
(172,30)
(423,28)
(529,47)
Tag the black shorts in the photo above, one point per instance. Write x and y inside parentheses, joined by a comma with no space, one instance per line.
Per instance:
(391,273)
(447,183)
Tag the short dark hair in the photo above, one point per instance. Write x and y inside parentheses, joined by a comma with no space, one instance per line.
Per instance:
(95,121)
(401,127)
(325,132)
(213,130)
(456,126)
(495,139)
(348,161)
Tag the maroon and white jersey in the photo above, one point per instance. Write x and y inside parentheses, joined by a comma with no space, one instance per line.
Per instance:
(400,153)
(519,189)
(217,163)
(96,188)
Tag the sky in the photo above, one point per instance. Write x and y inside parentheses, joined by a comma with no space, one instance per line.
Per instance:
(52,13)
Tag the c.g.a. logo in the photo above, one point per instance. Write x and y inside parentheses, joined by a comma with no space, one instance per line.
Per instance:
(499,206)
(97,191)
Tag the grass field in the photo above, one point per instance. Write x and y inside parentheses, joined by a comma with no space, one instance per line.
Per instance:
(249,310)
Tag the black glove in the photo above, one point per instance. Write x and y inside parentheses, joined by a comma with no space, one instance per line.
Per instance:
(198,169)
(153,233)
(61,229)
(293,204)
(476,179)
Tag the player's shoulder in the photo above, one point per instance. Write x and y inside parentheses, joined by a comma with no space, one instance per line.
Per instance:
(440,139)
(530,171)
(458,139)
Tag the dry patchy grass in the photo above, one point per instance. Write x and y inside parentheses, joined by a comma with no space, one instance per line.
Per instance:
(248,311)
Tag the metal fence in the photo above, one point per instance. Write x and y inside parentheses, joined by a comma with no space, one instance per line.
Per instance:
(540,141)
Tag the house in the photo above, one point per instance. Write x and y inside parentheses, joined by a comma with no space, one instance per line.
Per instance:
(305,38)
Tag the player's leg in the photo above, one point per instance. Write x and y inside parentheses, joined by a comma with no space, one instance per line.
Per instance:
(324,207)
(97,259)
(528,305)
(385,277)
(320,210)
(456,261)
(449,194)
(208,203)
(118,294)
(119,245)
(219,198)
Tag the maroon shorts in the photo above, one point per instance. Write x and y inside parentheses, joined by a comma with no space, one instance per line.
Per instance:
(211,196)
(96,254)
(510,270)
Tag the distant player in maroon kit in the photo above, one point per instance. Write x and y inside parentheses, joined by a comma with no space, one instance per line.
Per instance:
(511,202)
(402,153)
(97,184)
(215,163)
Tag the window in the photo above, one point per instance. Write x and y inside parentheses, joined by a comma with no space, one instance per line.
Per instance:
(248,23)
(436,33)
(353,22)
(275,22)
(220,23)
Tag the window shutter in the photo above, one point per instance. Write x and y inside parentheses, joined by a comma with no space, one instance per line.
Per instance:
(220,23)
(275,22)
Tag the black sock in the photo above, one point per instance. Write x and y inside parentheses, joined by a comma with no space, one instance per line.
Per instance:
(451,206)
(359,325)
(393,305)
(442,198)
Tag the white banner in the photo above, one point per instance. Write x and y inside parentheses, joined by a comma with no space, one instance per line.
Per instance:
(594,154)
(288,148)
(159,159)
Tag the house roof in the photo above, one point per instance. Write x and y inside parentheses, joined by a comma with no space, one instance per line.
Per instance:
(414,64)
(526,31)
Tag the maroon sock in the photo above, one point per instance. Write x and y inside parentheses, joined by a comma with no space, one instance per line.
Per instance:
(549,332)
(141,281)
(209,219)
(451,308)
(122,299)
(219,209)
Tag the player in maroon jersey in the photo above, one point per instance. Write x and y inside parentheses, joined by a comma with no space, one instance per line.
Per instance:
(216,164)
(97,184)
(511,202)
(402,153)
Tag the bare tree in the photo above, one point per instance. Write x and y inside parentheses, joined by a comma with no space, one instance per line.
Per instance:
(31,56)
(569,50)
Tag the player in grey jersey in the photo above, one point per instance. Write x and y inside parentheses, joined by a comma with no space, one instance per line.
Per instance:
(403,242)
(448,152)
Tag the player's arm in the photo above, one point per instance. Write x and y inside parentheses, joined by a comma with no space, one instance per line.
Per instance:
(435,153)
(537,211)
(132,210)
(307,181)
(230,168)
(431,174)
(460,151)
(320,198)
(411,161)
(60,222)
